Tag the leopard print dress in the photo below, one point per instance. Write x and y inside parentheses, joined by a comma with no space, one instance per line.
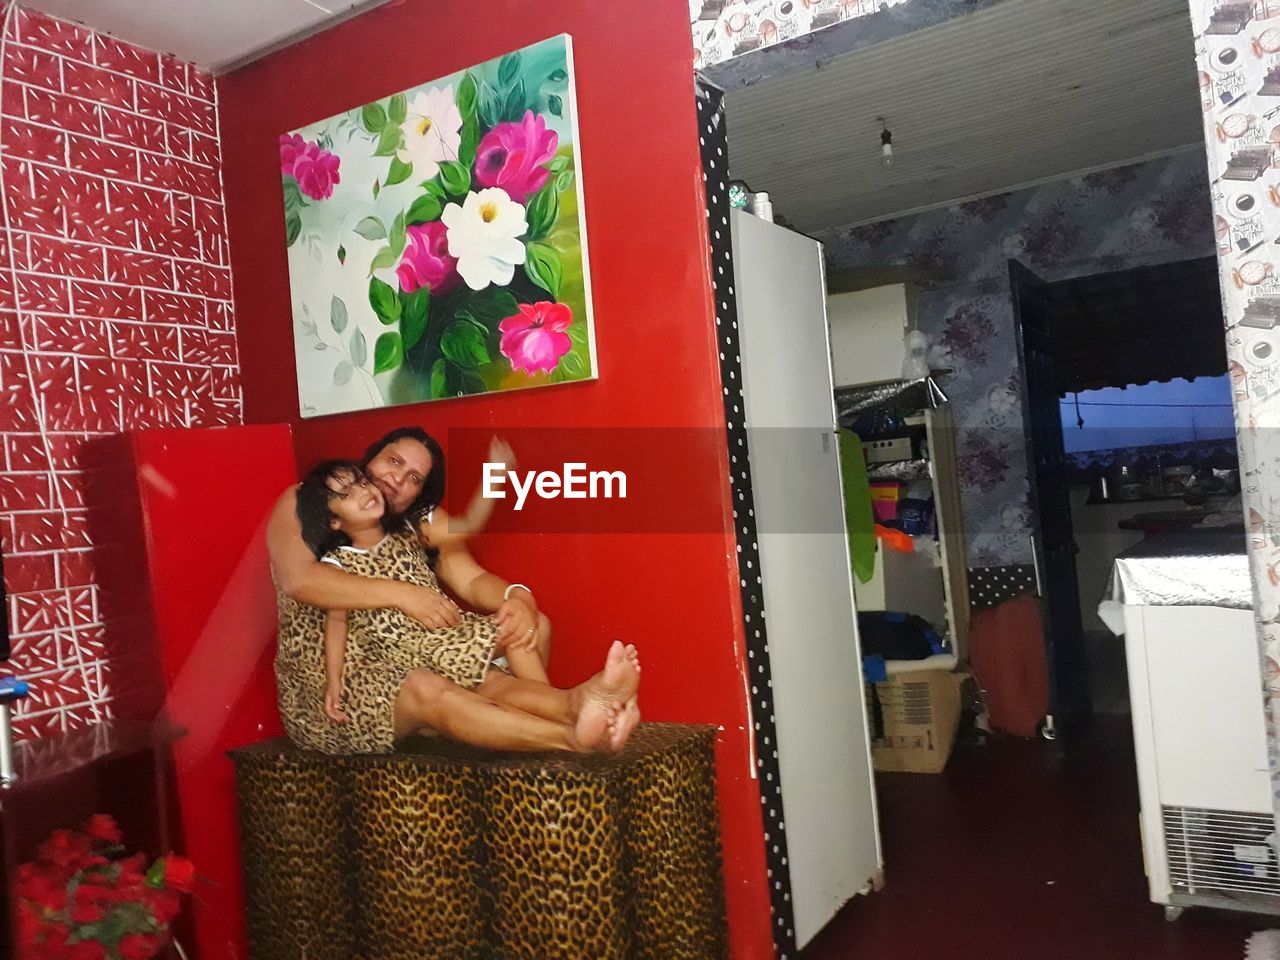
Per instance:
(383,646)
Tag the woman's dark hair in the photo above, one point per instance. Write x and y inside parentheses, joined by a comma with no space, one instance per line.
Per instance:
(432,484)
(313,510)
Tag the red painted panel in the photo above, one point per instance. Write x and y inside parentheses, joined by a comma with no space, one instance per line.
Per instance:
(674,594)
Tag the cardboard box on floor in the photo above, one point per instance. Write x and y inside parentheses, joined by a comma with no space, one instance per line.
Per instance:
(913,719)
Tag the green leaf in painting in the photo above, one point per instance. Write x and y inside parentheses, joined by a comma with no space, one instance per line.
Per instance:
(456,178)
(386,257)
(468,96)
(491,305)
(434,188)
(439,379)
(463,343)
(563,180)
(572,364)
(292,228)
(337,315)
(577,332)
(557,76)
(513,107)
(555,105)
(388,352)
(398,109)
(373,117)
(399,172)
(542,264)
(377,188)
(342,254)
(470,140)
(359,347)
(396,235)
(384,301)
(293,199)
(389,141)
(508,68)
(472,383)
(423,210)
(542,211)
(559,164)
(416,307)
(342,372)
(371,228)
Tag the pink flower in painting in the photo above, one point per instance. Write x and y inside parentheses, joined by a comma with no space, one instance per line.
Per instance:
(426,261)
(534,340)
(315,169)
(513,156)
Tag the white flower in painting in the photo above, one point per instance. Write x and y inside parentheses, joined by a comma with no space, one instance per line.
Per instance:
(482,237)
(432,132)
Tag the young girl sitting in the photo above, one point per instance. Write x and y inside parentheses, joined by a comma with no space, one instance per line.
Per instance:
(345,523)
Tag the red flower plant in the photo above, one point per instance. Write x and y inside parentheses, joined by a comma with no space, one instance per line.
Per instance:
(83,900)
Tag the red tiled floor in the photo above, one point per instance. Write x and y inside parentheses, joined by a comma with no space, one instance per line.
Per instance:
(1012,855)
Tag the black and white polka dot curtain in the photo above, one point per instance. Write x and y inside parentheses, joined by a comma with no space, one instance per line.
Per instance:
(714,146)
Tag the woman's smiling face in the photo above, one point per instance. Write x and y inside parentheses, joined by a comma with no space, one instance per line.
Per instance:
(354,500)
(399,470)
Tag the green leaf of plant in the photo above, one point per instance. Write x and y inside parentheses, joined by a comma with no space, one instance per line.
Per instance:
(399,173)
(359,347)
(542,211)
(371,228)
(415,309)
(490,306)
(513,107)
(373,117)
(542,264)
(396,236)
(455,177)
(337,315)
(423,210)
(439,379)
(463,343)
(557,76)
(434,188)
(470,140)
(384,301)
(559,163)
(292,228)
(388,352)
(398,109)
(508,68)
(490,111)
(342,372)
(468,96)
(293,199)
(389,141)
(577,332)
(555,105)
(563,180)
(386,257)
(342,254)
(572,364)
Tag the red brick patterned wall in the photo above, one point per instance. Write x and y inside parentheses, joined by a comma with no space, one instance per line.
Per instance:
(115,312)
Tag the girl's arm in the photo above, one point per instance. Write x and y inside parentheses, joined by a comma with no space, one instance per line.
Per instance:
(335,652)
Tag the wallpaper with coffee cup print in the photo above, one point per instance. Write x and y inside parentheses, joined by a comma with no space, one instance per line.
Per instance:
(436,240)
(1238,56)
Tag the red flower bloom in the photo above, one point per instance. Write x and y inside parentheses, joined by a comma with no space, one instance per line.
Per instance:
(84,950)
(136,946)
(104,828)
(86,911)
(64,848)
(179,873)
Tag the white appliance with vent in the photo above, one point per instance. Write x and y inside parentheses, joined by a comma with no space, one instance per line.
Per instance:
(1207,821)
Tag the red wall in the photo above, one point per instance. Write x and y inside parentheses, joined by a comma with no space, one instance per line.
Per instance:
(114,308)
(672,594)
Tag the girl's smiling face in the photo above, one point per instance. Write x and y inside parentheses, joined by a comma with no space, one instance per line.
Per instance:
(354,500)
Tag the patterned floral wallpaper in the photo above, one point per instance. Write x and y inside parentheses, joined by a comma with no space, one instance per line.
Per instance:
(1129,216)
(722,30)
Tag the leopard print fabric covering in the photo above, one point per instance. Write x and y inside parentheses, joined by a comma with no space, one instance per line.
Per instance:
(383,646)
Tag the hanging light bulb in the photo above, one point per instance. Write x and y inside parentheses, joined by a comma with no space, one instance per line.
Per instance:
(886,145)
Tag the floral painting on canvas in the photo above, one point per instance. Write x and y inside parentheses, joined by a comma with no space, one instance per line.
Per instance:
(436,241)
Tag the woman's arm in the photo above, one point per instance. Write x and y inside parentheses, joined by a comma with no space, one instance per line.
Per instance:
(335,653)
(304,578)
(481,590)
(440,529)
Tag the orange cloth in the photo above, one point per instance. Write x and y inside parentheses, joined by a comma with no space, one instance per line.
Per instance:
(1009,660)
(895,539)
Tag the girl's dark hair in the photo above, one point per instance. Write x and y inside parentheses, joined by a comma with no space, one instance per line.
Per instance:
(432,484)
(313,506)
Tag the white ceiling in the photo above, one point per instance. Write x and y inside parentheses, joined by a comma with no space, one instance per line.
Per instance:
(216,35)
(1024,91)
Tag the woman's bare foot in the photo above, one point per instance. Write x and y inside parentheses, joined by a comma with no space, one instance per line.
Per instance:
(622,726)
(601,702)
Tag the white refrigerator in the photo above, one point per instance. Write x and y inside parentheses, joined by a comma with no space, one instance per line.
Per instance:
(824,752)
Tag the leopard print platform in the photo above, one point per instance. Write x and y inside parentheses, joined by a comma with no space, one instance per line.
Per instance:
(441,851)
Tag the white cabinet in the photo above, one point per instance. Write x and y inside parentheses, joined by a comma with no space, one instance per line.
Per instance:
(867,332)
